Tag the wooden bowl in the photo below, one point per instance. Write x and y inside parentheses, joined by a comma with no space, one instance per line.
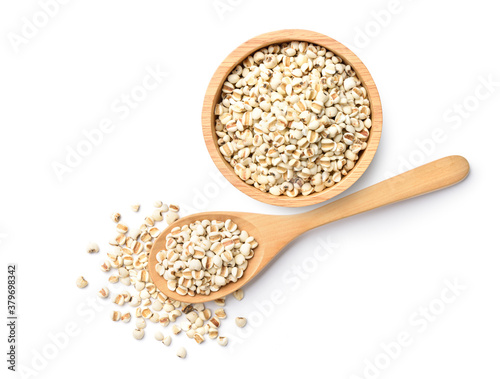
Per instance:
(212,97)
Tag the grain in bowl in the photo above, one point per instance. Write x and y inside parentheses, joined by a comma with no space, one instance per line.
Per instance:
(293,118)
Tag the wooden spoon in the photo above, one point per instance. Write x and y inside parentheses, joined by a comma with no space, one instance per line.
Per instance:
(273,233)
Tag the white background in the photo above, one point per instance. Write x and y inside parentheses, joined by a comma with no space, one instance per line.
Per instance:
(426,57)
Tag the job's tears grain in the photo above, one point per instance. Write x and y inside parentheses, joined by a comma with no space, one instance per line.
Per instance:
(204,256)
(292,119)
(218,248)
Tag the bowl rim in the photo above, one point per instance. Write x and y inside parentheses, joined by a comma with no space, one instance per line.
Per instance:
(212,97)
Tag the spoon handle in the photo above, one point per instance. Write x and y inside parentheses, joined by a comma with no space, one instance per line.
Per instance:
(430,177)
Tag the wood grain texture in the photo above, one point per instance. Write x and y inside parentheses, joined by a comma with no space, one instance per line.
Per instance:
(212,97)
(275,232)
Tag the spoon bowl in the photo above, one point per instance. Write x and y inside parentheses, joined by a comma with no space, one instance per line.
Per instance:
(273,233)
(245,221)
